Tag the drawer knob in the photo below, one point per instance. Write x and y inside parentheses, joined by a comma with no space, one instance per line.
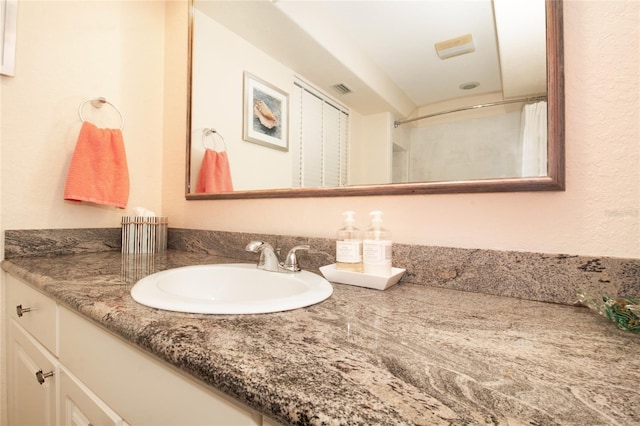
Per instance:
(20,310)
(42,376)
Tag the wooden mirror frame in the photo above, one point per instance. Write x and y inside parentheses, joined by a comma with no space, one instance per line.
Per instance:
(554,181)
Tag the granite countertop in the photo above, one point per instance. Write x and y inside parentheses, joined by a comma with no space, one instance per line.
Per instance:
(412,354)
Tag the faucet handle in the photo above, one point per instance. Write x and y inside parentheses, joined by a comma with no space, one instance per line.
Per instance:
(291,261)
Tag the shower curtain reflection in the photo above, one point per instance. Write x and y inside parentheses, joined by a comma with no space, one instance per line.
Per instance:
(534,139)
(468,145)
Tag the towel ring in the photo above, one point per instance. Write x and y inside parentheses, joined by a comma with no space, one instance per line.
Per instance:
(97,103)
(212,132)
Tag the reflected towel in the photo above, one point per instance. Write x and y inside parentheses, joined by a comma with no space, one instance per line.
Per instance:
(98,171)
(215,174)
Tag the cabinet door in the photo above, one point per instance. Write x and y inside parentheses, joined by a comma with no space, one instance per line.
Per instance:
(30,402)
(81,407)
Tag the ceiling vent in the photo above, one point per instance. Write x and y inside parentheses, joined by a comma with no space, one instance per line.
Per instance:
(342,88)
(455,46)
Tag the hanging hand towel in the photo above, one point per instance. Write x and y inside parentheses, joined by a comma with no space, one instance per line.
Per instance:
(215,174)
(98,171)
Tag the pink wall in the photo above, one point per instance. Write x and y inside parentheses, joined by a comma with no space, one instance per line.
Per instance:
(597,214)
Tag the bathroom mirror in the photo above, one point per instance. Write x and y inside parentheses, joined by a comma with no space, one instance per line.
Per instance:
(273,43)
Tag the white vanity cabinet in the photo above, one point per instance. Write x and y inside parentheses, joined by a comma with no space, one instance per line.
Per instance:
(41,391)
(142,389)
(31,356)
(96,374)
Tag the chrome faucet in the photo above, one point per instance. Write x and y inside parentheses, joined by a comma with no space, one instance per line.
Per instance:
(269,258)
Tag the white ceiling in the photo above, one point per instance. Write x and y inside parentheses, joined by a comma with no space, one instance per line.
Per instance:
(399,36)
(383,50)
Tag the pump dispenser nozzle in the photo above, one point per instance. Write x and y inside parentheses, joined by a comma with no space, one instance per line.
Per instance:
(377,247)
(376,223)
(349,218)
(349,245)
(376,217)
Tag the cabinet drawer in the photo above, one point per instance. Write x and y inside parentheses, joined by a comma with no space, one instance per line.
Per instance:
(39,315)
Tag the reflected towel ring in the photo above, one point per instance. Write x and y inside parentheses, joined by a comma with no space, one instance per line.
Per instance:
(97,103)
(212,132)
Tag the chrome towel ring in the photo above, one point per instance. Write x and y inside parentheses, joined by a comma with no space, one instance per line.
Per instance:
(212,132)
(98,103)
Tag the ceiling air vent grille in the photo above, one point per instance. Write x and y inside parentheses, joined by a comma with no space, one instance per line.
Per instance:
(342,88)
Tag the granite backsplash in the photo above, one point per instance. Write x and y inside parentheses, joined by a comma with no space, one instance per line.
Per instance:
(555,278)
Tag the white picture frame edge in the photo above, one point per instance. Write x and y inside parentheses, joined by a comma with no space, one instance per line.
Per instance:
(248,134)
(8,31)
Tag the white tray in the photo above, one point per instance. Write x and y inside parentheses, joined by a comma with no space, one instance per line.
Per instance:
(360,279)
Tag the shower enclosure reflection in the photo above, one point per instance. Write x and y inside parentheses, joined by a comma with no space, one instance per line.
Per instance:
(463,143)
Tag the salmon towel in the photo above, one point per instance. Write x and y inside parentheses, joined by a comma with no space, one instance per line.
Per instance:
(98,171)
(215,174)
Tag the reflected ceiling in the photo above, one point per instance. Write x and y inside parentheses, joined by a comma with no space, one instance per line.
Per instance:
(384,50)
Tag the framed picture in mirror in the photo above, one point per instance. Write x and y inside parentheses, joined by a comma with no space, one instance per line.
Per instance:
(266,112)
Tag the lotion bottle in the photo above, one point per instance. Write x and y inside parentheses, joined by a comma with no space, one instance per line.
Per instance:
(349,245)
(377,247)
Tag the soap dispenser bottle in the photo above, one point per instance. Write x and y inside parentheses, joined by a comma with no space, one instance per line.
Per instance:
(349,245)
(377,247)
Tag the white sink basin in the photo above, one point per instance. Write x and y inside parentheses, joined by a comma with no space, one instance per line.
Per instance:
(236,288)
